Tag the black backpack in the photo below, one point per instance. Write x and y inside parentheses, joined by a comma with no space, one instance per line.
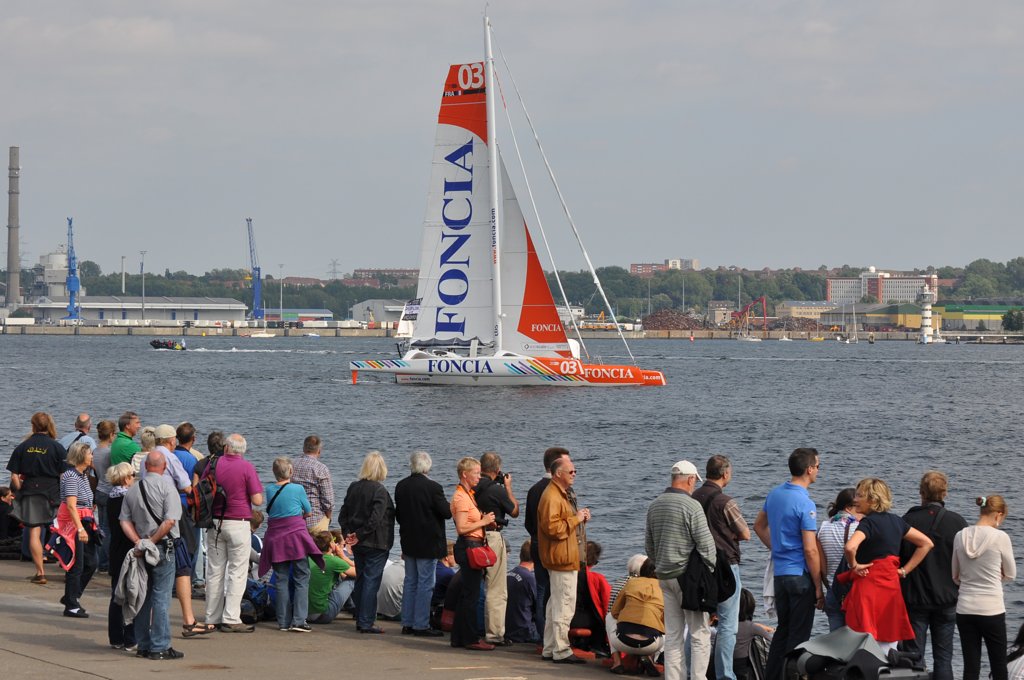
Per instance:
(203,495)
(724,578)
(699,585)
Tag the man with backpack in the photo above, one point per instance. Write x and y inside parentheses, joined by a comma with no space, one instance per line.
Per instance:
(728,528)
(929,591)
(677,531)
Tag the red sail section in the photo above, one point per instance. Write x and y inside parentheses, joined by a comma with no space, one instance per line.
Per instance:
(539,319)
(463,103)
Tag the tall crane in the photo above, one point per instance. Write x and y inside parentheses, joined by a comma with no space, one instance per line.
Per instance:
(256,276)
(72,283)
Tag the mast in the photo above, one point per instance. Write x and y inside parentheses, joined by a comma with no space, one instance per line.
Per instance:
(492,158)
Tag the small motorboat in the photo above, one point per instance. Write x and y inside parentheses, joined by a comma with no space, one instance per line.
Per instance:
(164,343)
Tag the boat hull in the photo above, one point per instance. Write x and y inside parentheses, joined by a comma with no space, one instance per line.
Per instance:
(508,370)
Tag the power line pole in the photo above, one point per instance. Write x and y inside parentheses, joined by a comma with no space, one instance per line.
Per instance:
(142,270)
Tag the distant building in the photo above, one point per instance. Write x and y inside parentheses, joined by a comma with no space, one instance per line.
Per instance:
(385,278)
(882,286)
(298,315)
(870,317)
(302,282)
(378,310)
(969,316)
(647,269)
(720,311)
(50,276)
(113,309)
(804,309)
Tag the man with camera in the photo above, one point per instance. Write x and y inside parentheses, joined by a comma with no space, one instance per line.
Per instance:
(494,494)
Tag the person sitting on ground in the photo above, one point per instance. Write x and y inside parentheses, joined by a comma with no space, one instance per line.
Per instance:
(330,587)
(522,599)
(592,600)
(10,528)
(444,571)
(636,622)
(256,542)
(392,586)
(1015,658)
(745,634)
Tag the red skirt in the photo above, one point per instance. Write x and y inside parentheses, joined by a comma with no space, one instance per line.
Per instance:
(875,603)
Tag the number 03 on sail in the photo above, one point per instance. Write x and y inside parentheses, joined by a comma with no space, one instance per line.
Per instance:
(486,315)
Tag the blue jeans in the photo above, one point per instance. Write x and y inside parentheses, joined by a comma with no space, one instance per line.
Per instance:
(728,623)
(942,623)
(152,624)
(835,614)
(369,569)
(336,600)
(794,604)
(291,611)
(417,591)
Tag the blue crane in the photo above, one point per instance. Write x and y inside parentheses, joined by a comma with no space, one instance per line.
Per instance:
(72,283)
(257,275)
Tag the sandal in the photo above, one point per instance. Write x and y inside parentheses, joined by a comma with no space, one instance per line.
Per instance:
(191,630)
(39,579)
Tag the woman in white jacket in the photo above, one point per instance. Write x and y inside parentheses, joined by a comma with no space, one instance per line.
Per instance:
(982,562)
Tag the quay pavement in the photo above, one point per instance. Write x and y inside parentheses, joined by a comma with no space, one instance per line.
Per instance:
(36,641)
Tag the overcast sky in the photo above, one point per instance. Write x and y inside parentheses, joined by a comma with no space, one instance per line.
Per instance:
(749,133)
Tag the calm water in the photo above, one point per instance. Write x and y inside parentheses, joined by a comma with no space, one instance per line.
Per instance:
(891,410)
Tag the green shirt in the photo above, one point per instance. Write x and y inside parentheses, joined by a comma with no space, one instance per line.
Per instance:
(123,448)
(321,582)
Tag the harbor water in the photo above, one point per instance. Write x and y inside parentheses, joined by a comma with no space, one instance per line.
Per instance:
(892,410)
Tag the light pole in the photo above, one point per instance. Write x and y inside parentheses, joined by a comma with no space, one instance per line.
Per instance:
(122,275)
(142,270)
(280,294)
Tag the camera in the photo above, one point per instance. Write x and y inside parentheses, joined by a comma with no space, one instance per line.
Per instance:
(500,477)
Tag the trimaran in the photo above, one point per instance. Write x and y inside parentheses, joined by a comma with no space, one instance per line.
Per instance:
(486,315)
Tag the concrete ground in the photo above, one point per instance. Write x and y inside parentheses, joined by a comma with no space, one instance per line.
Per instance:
(37,642)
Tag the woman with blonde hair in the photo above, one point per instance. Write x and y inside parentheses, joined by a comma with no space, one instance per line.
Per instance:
(469,524)
(982,562)
(875,602)
(367,519)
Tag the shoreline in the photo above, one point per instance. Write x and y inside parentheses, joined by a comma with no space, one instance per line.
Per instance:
(698,335)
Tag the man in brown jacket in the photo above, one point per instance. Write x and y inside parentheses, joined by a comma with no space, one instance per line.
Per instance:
(561,535)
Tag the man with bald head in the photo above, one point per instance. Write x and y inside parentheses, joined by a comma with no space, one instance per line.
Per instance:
(149,518)
(83,423)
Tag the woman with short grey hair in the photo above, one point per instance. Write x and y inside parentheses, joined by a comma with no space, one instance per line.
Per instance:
(287,546)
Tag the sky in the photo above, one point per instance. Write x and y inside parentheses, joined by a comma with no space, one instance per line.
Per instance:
(748,133)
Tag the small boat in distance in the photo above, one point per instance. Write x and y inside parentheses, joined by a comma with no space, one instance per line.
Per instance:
(484,313)
(164,343)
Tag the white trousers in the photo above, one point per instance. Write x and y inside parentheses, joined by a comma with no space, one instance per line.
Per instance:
(559,612)
(677,622)
(496,577)
(228,566)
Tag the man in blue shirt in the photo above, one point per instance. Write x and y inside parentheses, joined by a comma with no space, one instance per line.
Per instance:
(83,423)
(787,525)
(522,599)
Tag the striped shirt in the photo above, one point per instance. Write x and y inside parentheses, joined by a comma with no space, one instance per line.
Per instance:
(675,525)
(831,536)
(74,483)
(315,478)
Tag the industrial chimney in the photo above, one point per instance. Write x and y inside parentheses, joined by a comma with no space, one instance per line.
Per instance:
(13,255)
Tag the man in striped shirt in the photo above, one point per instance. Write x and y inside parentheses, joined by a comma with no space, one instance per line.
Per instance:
(315,478)
(675,526)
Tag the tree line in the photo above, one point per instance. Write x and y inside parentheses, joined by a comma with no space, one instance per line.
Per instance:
(631,296)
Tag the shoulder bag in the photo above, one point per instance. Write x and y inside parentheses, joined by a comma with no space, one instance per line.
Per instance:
(480,556)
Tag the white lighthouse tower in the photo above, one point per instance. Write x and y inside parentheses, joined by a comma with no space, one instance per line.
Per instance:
(926,298)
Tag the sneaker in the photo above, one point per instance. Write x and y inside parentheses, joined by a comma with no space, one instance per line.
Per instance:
(283,628)
(301,628)
(169,653)
(131,648)
(142,652)
(570,659)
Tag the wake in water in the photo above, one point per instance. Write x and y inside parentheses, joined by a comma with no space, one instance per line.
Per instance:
(235,350)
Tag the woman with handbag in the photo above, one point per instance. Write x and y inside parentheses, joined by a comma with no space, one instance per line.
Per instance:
(469,524)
